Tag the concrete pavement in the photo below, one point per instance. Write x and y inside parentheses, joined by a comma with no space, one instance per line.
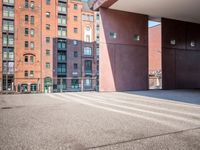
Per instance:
(104,121)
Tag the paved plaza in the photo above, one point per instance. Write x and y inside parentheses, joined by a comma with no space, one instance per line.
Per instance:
(101,121)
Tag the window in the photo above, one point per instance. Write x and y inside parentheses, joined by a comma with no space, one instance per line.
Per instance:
(32,19)
(8,40)
(87,38)
(88,51)
(26,4)
(26,18)
(31,73)
(62,7)
(88,83)
(8,25)
(32,5)
(8,12)
(47,39)
(61,69)
(32,32)
(91,18)
(31,59)
(113,35)
(88,66)
(75,83)
(26,59)
(62,19)
(75,54)
(97,17)
(48,52)
(48,2)
(8,54)
(26,31)
(75,6)
(75,42)
(62,44)
(136,37)
(48,14)
(9,1)
(26,44)
(48,65)
(97,27)
(62,31)
(32,45)
(33,87)
(75,30)
(8,67)
(75,66)
(26,73)
(61,56)
(75,18)
(48,26)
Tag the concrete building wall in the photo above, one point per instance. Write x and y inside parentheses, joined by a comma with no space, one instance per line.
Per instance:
(181,52)
(123,60)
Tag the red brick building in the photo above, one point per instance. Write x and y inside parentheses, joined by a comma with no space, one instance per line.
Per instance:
(38,42)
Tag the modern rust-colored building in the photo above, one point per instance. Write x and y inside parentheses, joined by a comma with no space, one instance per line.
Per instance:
(124,43)
(43,46)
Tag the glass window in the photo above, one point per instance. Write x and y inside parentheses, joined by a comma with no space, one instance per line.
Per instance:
(62,44)
(8,12)
(62,19)
(62,31)
(26,73)
(26,3)
(47,39)
(48,65)
(31,73)
(75,42)
(62,7)
(32,19)
(88,83)
(75,54)
(75,18)
(32,5)
(48,26)
(8,25)
(61,56)
(8,40)
(61,68)
(48,14)
(88,51)
(26,18)
(26,59)
(88,66)
(75,30)
(32,32)
(26,31)
(31,59)
(75,66)
(8,67)
(26,44)
(8,54)
(32,45)
(75,83)
(113,35)
(48,52)
(33,87)
(48,2)
(9,1)
(75,6)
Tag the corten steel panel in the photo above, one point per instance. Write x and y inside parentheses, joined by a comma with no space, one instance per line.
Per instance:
(123,61)
(168,68)
(173,30)
(181,68)
(193,35)
(187,69)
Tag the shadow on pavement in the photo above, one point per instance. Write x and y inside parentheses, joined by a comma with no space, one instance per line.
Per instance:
(187,96)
